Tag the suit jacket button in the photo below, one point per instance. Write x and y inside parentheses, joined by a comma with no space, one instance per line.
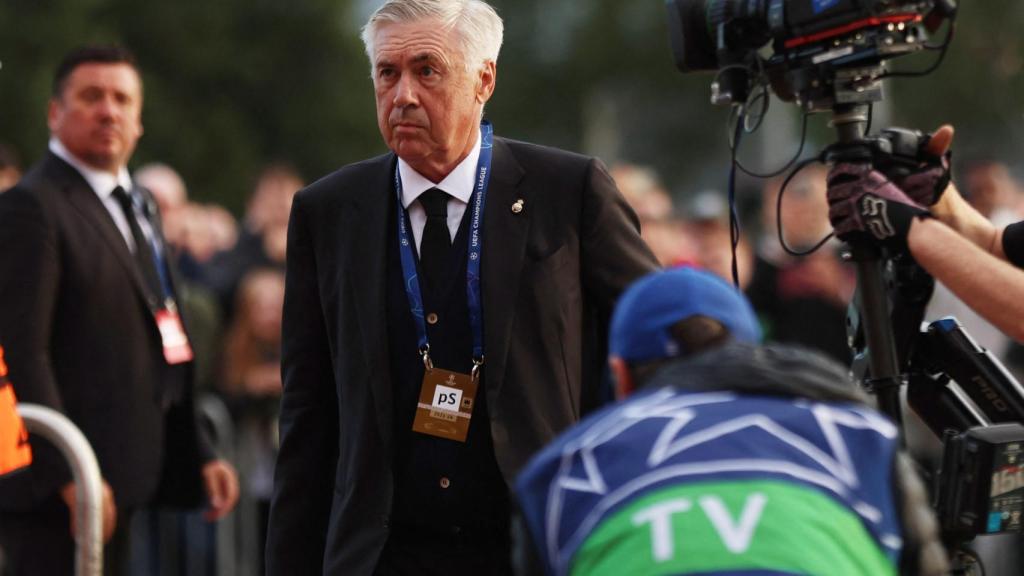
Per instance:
(432,318)
(445,482)
(386,522)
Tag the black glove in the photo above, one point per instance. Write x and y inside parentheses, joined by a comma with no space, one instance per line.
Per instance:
(926,184)
(865,205)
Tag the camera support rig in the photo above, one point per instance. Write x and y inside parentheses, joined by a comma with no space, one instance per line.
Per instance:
(830,56)
(958,389)
(872,296)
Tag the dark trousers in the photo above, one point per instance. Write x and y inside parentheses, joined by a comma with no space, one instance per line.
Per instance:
(39,542)
(440,552)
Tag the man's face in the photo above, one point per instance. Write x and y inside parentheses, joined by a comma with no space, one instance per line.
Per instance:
(428,104)
(98,115)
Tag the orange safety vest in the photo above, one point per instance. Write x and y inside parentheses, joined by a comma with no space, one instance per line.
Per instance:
(15,452)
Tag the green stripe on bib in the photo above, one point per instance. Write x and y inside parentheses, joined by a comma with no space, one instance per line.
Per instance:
(740,525)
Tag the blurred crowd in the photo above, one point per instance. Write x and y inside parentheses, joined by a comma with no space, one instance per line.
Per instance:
(232,295)
(234,271)
(804,299)
(800,299)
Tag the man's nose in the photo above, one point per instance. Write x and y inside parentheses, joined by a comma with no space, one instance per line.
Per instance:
(405,91)
(109,107)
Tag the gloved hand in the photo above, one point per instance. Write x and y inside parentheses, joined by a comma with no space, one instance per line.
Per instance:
(926,184)
(865,205)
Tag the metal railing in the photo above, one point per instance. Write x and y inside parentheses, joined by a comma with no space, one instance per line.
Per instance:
(173,542)
(222,429)
(232,546)
(62,433)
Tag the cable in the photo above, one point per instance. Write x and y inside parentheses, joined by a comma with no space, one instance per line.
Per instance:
(741,113)
(778,212)
(728,67)
(789,164)
(735,117)
(734,221)
(759,95)
(947,39)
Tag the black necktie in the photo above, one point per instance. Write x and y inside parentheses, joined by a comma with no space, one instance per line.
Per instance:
(144,256)
(436,242)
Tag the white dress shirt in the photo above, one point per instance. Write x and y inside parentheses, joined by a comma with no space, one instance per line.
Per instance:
(103,184)
(458,184)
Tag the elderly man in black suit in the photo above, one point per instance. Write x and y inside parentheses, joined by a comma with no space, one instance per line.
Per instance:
(442,315)
(89,317)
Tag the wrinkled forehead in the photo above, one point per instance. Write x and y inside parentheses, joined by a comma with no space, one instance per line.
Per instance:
(396,42)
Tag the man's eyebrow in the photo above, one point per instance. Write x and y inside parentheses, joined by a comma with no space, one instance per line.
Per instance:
(426,57)
(422,57)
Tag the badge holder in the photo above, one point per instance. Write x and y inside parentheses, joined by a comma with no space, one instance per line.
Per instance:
(177,349)
(446,401)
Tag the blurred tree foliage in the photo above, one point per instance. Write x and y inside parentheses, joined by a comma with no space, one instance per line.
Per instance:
(980,86)
(232,84)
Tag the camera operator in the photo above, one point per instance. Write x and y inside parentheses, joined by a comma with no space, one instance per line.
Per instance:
(924,214)
(726,457)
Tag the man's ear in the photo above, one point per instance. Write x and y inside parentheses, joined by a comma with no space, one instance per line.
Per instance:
(53,114)
(624,385)
(488,77)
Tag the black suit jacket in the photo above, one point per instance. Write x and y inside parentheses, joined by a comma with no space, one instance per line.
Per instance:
(550,275)
(80,337)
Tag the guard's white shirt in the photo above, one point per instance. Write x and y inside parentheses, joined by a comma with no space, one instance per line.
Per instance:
(103,184)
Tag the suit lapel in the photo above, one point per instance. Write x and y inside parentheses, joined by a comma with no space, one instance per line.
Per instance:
(367,275)
(84,199)
(505,234)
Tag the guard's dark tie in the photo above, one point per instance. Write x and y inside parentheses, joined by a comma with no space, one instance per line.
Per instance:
(436,242)
(144,257)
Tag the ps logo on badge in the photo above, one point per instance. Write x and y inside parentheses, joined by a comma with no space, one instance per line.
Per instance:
(447,398)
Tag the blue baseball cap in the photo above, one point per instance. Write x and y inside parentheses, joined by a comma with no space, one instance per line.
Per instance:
(649,307)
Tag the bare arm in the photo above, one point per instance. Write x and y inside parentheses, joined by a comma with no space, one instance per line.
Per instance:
(959,215)
(992,287)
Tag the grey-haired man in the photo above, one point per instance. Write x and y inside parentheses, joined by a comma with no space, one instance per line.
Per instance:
(442,315)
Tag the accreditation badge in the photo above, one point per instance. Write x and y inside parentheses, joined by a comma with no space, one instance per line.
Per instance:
(177,349)
(445,405)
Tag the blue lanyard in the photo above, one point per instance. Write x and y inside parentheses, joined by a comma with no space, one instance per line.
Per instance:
(161,269)
(139,206)
(476,244)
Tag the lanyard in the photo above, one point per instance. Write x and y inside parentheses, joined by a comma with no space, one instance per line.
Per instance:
(141,205)
(476,244)
(161,268)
